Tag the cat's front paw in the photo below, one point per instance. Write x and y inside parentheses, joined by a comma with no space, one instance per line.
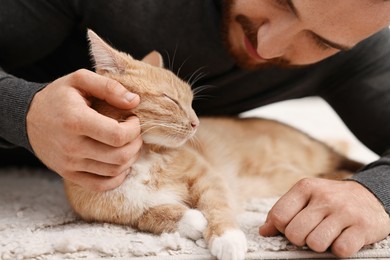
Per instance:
(192,224)
(231,245)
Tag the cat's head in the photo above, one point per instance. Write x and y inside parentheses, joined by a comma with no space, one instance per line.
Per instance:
(165,110)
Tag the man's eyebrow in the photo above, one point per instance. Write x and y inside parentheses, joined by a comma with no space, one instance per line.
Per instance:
(334,45)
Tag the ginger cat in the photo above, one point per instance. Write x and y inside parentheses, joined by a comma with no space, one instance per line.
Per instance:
(195,187)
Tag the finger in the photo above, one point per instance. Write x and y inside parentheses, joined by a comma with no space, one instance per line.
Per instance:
(303,224)
(348,243)
(96,151)
(95,182)
(325,233)
(104,88)
(105,169)
(268,230)
(111,165)
(288,206)
(104,129)
(123,155)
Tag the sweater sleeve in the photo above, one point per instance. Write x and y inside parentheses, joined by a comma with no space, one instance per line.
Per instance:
(376,178)
(360,93)
(15,97)
(29,31)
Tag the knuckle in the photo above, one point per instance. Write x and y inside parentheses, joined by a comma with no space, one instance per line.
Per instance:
(349,212)
(294,237)
(329,198)
(342,250)
(79,74)
(316,244)
(305,184)
(111,87)
(71,123)
(278,218)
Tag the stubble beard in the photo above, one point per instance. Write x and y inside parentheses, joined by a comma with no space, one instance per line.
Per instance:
(241,57)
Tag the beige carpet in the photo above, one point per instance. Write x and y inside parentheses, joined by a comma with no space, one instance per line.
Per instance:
(37,223)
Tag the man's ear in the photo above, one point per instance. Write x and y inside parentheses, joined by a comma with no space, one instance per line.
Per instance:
(154,58)
(105,57)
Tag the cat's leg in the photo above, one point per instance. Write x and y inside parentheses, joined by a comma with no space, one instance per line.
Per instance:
(192,224)
(173,217)
(223,235)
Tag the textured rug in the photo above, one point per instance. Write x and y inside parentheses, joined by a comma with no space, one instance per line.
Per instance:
(36,221)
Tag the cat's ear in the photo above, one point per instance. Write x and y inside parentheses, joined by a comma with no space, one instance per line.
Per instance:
(105,57)
(154,58)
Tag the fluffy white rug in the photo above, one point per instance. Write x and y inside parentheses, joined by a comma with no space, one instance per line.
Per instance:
(37,223)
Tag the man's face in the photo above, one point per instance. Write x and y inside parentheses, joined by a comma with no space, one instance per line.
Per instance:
(298,32)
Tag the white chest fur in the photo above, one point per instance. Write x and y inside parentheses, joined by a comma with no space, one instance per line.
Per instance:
(138,188)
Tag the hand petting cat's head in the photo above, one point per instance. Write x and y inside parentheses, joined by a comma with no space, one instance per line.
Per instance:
(165,112)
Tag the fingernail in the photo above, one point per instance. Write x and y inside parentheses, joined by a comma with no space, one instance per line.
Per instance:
(130,96)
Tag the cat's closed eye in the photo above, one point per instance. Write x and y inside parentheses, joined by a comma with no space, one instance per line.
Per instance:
(172,99)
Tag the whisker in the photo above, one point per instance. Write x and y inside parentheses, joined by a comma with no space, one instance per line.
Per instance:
(196,90)
(199,89)
(193,75)
(147,130)
(204,97)
(200,76)
(178,71)
(194,141)
(173,58)
(155,123)
(169,60)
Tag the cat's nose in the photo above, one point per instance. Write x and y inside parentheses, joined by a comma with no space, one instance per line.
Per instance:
(194,124)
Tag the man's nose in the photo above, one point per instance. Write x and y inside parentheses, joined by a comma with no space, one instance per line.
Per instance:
(275,40)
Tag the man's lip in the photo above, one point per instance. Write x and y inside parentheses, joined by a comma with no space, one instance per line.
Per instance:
(251,49)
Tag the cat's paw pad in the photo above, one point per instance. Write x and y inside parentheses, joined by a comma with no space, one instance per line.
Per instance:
(231,245)
(192,224)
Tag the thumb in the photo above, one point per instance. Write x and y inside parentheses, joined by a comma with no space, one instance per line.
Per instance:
(101,87)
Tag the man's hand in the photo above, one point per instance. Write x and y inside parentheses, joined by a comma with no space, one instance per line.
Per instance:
(77,142)
(322,214)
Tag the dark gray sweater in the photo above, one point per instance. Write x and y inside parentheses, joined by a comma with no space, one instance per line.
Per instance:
(42,40)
